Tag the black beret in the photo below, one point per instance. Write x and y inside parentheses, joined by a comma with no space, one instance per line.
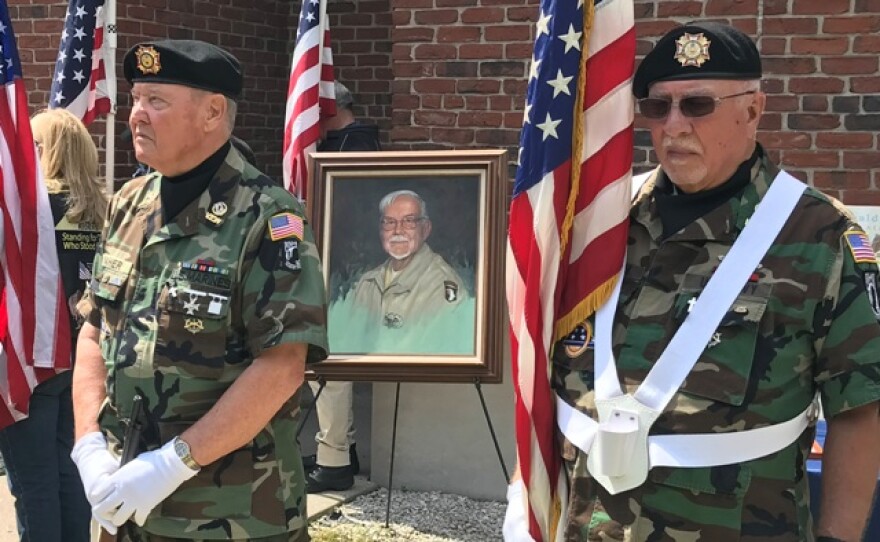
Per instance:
(699,51)
(184,62)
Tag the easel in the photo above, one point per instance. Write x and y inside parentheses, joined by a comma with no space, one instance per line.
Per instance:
(477,385)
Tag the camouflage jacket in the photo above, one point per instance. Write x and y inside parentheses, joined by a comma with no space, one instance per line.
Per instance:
(803,323)
(183,309)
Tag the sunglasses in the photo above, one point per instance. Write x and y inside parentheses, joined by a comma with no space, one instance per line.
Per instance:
(691,106)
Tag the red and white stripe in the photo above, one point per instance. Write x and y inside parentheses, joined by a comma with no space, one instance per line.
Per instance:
(549,279)
(310,97)
(33,312)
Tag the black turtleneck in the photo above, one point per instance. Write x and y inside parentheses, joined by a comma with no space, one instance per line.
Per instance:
(178,192)
(677,209)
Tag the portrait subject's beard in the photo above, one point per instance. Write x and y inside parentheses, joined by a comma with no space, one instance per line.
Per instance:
(396,254)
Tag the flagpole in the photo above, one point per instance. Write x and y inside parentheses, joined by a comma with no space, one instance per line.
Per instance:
(110,121)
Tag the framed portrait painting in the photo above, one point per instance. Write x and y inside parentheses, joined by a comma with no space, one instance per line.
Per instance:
(412,244)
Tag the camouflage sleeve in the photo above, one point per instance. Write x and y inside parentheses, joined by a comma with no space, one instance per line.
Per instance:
(848,367)
(283,298)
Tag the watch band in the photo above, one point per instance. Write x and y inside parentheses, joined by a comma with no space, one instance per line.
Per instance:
(181,447)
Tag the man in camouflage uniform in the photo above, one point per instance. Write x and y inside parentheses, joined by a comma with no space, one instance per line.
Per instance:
(804,322)
(207,301)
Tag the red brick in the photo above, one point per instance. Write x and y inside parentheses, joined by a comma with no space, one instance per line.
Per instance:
(654,28)
(773,46)
(514,51)
(480,119)
(841,180)
(864,85)
(476,103)
(482,15)
(785,26)
(434,118)
(810,85)
(785,140)
(866,44)
(775,7)
(414,69)
(844,140)
(731,7)
(477,86)
(434,86)
(458,136)
(861,197)
(820,46)
(514,119)
(770,121)
(453,101)
(867,6)
(820,7)
(782,103)
(860,160)
(851,65)
(851,25)
(813,122)
(528,14)
(459,34)
(430,51)
(679,9)
(480,51)
(789,65)
(810,159)
(436,16)
(409,133)
(519,32)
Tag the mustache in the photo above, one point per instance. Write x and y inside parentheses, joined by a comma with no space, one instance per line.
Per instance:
(680,146)
(398,238)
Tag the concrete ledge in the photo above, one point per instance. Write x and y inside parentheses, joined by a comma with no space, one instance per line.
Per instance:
(320,504)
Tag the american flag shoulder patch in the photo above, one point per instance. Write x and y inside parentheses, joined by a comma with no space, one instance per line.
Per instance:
(285,226)
(860,246)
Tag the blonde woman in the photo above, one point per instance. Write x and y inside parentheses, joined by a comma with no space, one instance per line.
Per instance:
(50,503)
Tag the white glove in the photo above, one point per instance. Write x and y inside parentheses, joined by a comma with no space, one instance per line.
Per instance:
(516,526)
(95,465)
(142,484)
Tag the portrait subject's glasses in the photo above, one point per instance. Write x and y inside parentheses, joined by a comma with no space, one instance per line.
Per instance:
(691,106)
(408,222)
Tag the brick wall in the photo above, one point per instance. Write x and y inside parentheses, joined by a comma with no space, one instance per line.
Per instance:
(258,32)
(452,73)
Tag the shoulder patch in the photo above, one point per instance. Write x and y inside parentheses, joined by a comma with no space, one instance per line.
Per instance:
(860,246)
(285,226)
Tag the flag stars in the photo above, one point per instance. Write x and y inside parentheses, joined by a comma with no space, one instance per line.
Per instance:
(533,69)
(60,77)
(548,128)
(59,97)
(78,76)
(64,35)
(80,12)
(526,113)
(78,55)
(560,84)
(572,39)
(79,34)
(310,17)
(2,28)
(543,24)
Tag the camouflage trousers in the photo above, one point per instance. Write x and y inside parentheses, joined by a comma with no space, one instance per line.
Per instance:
(132,533)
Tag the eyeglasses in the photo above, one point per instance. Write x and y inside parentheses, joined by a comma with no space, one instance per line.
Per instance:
(408,222)
(690,106)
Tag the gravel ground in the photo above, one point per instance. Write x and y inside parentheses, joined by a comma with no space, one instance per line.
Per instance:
(415,516)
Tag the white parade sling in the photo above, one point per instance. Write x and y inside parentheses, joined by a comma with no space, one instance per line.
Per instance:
(620,450)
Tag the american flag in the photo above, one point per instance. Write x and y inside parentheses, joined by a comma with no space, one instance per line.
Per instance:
(33,315)
(85,76)
(310,94)
(568,217)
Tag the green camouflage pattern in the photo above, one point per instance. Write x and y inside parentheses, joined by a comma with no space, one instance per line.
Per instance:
(184,308)
(803,323)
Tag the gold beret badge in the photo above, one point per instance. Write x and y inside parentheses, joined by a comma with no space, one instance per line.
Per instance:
(692,49)
(147,60)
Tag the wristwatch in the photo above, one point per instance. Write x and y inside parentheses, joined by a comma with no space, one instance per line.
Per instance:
(181,448)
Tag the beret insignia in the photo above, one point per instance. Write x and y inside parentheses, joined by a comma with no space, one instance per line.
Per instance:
(692,49)
(148,60)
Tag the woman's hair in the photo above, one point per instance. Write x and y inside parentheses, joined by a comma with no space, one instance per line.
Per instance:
(69,161)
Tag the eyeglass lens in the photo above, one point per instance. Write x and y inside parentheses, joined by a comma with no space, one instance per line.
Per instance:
(691,106)
(407,222)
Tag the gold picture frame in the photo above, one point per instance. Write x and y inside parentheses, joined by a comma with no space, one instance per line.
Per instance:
(439,318)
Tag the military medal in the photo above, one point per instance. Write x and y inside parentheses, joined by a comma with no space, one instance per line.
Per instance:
(219,208)
(147,59)
(579,340)
(194,325)
(692,49)
(192,305)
